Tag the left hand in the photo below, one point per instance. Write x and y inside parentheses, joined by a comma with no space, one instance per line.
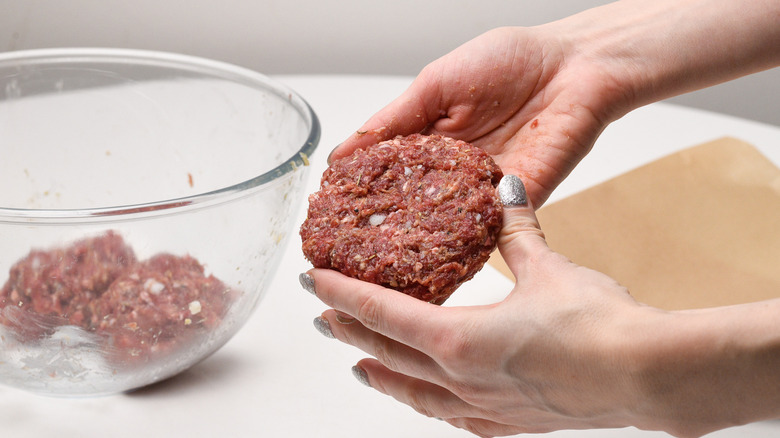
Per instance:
(548,357)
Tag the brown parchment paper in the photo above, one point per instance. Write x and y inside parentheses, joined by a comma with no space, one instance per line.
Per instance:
(699,228)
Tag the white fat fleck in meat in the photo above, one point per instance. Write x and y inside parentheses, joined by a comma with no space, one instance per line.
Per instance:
(36,263)
(153,286)
(407,171)
(195,307)
(377,219)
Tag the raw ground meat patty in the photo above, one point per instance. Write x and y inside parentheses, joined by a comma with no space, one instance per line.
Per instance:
(418,214)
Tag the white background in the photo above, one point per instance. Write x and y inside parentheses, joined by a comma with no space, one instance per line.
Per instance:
(279,378)
(320,36)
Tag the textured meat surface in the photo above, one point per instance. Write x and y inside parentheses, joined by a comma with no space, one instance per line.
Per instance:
(160,303)
(418,214)
(61,283)
(142,309)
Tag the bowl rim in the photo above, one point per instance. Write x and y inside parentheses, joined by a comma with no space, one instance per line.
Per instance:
(220,69)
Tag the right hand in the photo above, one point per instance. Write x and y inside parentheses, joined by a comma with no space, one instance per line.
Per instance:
(518,93)
(537,98)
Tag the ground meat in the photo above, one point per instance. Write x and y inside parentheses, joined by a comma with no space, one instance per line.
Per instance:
(418,214)
(61,283)
(141,308)
(159,304)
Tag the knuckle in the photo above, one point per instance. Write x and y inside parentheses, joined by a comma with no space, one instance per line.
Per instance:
(369,312)
(454,349)
(345,334)
(457,354)
(383,352)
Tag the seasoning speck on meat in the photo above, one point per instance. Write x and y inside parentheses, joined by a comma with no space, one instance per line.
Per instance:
(418,214)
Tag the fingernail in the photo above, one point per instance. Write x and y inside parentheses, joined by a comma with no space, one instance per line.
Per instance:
(343,318)
(323,326)
(330,155)
(307,281)
(361,375)
(511,191)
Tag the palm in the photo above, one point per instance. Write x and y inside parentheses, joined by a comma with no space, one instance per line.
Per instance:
(510,93)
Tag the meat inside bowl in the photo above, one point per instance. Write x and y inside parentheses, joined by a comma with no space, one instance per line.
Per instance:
(152,195)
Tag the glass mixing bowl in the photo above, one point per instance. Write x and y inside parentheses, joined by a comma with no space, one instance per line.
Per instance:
(146,200)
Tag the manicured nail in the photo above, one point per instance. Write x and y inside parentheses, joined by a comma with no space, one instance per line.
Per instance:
(307,281)
(323,326)
(361,375)
(511,191)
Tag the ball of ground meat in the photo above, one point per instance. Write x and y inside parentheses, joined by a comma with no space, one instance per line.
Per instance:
(141,310)
(58,285)
(160,305)
(418,214)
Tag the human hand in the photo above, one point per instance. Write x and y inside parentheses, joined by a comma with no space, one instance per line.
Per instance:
(537,98)
(547,357)
(568,348)
(514,92)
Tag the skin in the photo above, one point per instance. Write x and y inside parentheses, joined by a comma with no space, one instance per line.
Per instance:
(568,348)
(537,98)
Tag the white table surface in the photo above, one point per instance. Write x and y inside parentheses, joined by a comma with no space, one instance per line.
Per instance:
(280,378)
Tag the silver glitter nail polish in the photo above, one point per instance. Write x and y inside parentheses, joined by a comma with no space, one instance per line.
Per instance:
(361,375)
(323,326)
(307,281)
(511,191)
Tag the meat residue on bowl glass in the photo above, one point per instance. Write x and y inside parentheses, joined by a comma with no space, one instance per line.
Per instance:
(139,309)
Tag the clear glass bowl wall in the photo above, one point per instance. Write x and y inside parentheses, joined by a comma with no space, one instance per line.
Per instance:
(174,154)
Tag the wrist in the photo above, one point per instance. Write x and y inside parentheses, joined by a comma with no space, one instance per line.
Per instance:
(694,372)
(648,51)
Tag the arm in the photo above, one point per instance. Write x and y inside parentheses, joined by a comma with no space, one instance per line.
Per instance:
(656,50)
(568,347)
(712,368)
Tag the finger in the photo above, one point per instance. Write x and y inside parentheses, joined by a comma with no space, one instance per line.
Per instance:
(520,234)
(424,397)
(411,112)
(433,400)
(484,428)
(395,315)
(390,353)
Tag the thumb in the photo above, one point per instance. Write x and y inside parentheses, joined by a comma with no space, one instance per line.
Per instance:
(411,112)
(520,235)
